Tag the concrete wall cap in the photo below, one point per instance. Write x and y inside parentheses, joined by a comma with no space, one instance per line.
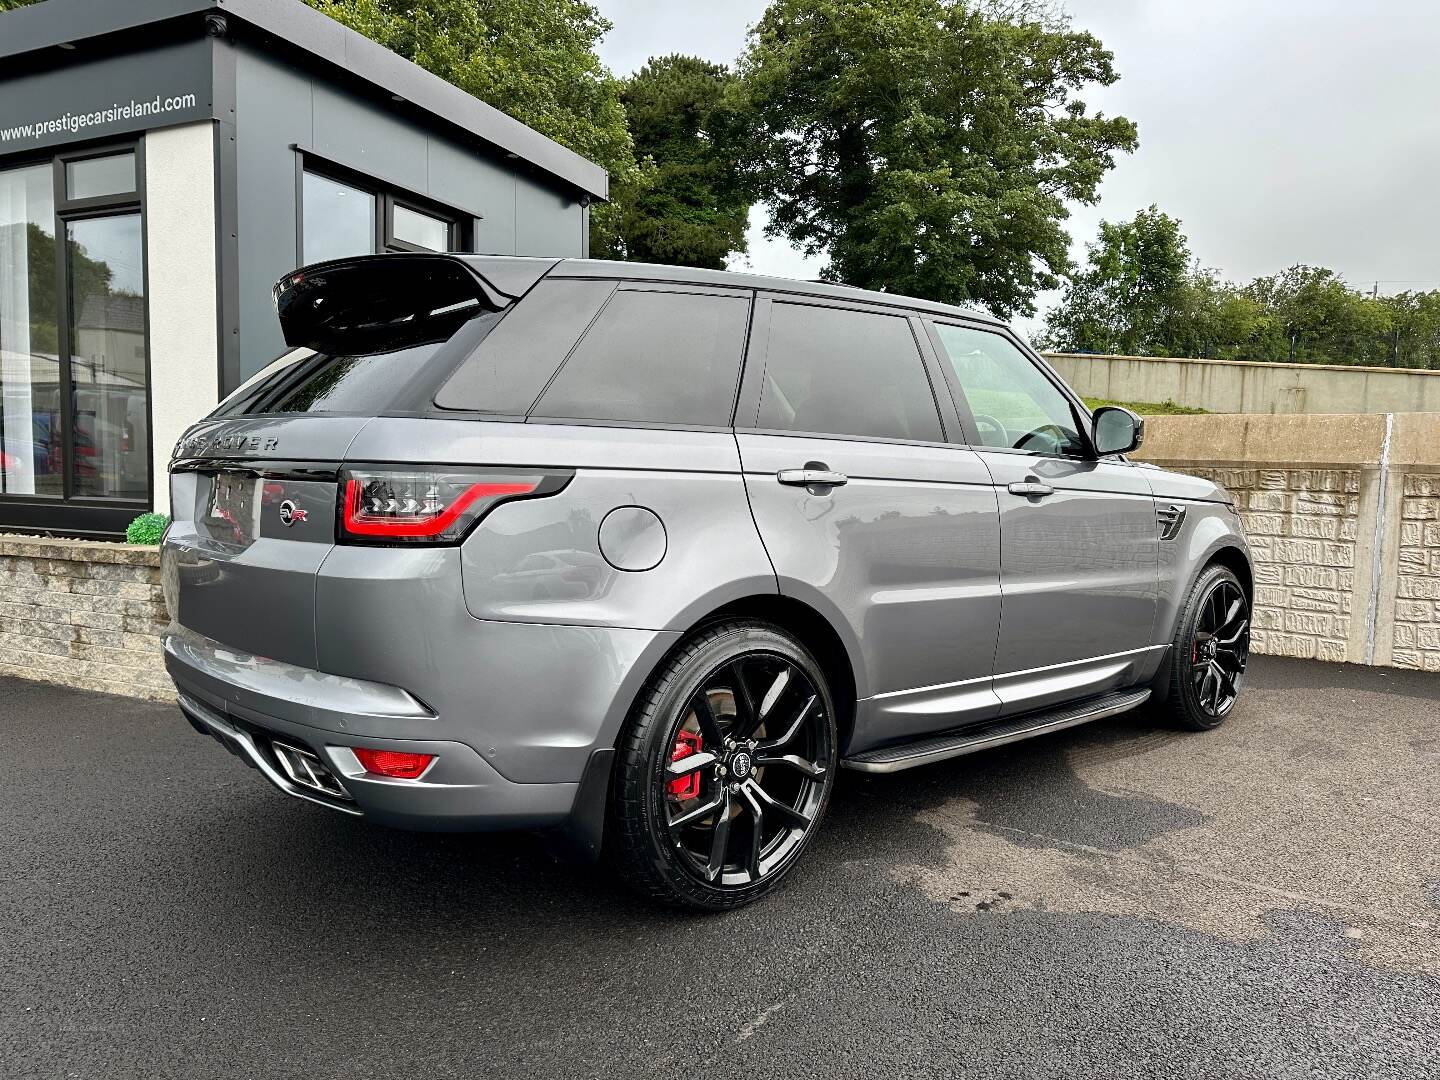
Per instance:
(1243,363)
(1269,438)
(1415,439)
(88,551)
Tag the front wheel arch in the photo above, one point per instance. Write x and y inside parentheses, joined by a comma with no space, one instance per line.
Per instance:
(1235,560)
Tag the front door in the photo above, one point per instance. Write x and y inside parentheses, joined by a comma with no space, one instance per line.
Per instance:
(1079,547)
(869,515)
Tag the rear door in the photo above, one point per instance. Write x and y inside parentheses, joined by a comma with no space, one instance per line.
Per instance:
(868,513)
(1079,547)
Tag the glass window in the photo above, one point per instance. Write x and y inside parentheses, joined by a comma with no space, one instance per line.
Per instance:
(422,230)
(31,440)
(511,366)
(1015,406)
(108,375)
(339,220)
(360,383)
(654,357)
(110,175)
(835,371)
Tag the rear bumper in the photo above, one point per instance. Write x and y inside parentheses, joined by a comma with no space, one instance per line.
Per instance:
(248,703)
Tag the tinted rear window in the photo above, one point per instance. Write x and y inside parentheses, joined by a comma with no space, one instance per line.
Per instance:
(841,372)
(393,381)
(655,357)
(511,366)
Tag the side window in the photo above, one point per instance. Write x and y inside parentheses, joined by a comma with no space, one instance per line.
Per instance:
(654,357)
(506,373)
(835,371)
(1015,406)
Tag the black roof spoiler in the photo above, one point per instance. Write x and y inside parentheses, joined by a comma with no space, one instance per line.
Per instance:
(374,303)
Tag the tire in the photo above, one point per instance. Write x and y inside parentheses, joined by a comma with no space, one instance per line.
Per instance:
(750,707)
(1209,653)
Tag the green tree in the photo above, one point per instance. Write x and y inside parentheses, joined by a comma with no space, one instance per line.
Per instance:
(1140,293)
(533,59)
(1135,297)
(692,211)
(927,146)
(1414,338)
(1318,318)
(11,5)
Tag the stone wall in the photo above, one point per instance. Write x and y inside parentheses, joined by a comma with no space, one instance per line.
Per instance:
(1343,514)
(1303,526)
(83,614)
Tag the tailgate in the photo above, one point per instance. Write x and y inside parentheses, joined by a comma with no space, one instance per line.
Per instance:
(251,530)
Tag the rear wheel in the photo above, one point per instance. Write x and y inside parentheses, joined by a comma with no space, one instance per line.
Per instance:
(1210,652)
(725,768)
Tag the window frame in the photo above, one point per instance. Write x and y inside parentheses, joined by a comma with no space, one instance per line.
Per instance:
(67,512)
(961,402)
(388,203)
(752,379)
(387,197)
(623,285)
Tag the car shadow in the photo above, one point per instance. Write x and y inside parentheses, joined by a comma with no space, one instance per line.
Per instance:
(513,886)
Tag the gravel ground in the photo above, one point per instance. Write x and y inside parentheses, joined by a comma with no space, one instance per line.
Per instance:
(1113,901)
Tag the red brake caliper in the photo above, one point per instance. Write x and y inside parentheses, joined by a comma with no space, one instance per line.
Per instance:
(687,787)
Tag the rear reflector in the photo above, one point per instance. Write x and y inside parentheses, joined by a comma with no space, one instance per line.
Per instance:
(394,763)
(430,506)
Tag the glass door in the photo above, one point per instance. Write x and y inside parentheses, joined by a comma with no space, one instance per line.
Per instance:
(108,371)
(31,447)
(74,360)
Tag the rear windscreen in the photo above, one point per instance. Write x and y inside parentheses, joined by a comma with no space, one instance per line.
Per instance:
(393,381)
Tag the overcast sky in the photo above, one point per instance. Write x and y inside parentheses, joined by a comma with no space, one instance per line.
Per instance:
(1278,131)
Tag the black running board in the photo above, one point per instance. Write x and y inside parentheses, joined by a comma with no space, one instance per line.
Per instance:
(955,744)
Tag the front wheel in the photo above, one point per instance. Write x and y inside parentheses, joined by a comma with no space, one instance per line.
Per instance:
(725,768)
(1210,652)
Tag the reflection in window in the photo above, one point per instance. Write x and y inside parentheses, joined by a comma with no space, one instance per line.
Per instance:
(91,177)
(422,230)
(31,447)
(842,372)
(107,357)
(339,220)
(1015,406)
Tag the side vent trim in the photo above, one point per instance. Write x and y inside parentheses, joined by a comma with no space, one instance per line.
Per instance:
(1171,520)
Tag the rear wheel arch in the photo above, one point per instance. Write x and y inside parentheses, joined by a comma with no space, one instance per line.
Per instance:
(819,637)
(582,832)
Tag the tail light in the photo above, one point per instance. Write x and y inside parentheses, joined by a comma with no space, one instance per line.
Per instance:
(431,506)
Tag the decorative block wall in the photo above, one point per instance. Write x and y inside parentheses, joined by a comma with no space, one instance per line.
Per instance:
(1416,634)
(1343,514)
(83,614)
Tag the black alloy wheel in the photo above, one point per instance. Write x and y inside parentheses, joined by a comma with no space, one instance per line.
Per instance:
(1220,648)
(727,768)
(1210,651)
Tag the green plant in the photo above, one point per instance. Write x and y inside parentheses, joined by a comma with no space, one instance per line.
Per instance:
(146,529)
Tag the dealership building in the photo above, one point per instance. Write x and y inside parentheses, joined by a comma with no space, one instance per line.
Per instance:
(162,164)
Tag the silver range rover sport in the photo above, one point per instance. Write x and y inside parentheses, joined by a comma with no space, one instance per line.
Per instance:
(643,556)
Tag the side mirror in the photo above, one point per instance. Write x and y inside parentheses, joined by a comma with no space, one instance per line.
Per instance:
(1117,430)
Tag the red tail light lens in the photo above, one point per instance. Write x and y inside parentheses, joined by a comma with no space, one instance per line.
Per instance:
(394,763)
(430,506)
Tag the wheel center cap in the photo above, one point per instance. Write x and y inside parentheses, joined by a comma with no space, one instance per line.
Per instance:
(741,764)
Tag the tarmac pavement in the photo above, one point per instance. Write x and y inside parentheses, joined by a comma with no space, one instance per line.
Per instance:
(1118,900)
